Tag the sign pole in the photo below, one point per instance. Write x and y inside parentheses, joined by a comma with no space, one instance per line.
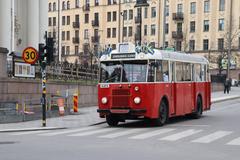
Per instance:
(44,80)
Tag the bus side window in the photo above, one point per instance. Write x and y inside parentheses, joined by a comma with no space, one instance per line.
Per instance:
(198,77)
(165,71)
(187,71)
(179,71)
(159,72)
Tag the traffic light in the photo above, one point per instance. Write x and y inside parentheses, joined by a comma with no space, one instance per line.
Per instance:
(50,48)
(41,51)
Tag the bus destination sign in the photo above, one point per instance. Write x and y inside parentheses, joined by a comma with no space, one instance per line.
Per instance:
(123,55)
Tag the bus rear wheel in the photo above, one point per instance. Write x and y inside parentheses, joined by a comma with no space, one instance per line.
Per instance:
(112,120)
(163,114)
(199,109)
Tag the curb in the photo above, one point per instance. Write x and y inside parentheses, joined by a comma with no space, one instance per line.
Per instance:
(31,129)
(218,100)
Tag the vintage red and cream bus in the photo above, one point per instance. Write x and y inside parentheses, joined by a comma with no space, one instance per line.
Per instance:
(141,82)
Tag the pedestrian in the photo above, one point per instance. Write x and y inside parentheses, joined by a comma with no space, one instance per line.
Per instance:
(226,86)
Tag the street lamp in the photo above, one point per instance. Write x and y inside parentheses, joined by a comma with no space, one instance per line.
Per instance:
(122,14)
(140,4)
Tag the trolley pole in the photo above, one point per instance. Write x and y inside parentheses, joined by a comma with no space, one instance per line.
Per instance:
(44,80)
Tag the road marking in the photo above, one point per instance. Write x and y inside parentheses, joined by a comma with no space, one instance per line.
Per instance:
(180,135)
(27,133)
(152,133)
(212,137)
(93,132)
(67,131)
(234,142)
(122,133)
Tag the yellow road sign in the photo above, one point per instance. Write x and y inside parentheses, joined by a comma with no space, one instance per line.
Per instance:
(30,55)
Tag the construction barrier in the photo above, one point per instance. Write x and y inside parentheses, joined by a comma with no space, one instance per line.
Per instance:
(75,103)
(60,103)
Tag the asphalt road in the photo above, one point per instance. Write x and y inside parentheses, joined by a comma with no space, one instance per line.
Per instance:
(216,136)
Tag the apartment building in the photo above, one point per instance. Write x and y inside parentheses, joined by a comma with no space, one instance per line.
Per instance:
(87,27)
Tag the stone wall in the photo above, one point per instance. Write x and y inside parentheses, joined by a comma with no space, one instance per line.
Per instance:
(12,90)
(3,62)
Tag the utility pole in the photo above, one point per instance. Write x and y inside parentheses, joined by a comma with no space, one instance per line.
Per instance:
(164,23)
(229,41)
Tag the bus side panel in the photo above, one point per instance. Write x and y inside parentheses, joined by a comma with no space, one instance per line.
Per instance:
(187,96)
(208,95)
(201,89)
(179,98)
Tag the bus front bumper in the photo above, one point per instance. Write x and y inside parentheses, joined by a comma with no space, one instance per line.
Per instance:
(122,111)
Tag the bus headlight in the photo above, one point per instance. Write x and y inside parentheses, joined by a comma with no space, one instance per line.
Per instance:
(136,88)
(104,100)
(137,100)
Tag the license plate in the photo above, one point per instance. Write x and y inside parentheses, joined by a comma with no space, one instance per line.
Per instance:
(119,110)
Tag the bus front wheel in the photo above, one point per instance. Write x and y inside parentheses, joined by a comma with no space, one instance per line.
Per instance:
(112,120)
(163,114)
(199,109)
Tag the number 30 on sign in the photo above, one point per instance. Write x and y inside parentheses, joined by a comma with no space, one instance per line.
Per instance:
(30,55)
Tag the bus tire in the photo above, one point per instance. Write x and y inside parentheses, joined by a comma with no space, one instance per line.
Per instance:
(163,114)
(112,120)
(199,109)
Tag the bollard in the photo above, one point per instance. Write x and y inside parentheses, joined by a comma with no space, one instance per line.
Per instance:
(75,103)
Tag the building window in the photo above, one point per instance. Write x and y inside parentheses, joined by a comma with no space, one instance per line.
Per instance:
(180,8)
(77,4)
(63,50)
(153,12)
(67,50)
(86,18)
(76,50)
(54,6)
(54,35)
(68,4)
(130,31)
(206,25)
(109,15)
(49,21)
(167,10)
(114,16)
(166,28)
(191,45)
(178,45)
(54,21)
(125,15)
(63,20)
(220,44)
(68,35)
(63,5)
(124,31)
(77,18)
(114,32)
(109,2)
(153,29)
(130,14)
(221,24)
(50,7)
(192,26)
(77,33)
(86,34)
(96,2)
(221,5)
(145,12)
(114,1)
(108,32)
(239,43)
(145,30)
(63,35)
(193,8)
(206,6)
(68,20)
(205,44)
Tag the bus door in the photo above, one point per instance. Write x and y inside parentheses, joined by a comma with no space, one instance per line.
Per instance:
(173,89)
(188,87)
(179,89)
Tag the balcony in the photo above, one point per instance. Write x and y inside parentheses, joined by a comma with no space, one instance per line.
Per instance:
(75,40)
(76,25)
(86,7)
(177,35)
(95,39)
(137,19)
(178,16)
(95,23)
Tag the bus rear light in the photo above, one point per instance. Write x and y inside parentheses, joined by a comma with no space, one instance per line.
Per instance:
(104,100)
(136,88)
(137,100)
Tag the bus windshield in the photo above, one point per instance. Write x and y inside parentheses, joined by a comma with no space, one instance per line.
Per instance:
(123,71)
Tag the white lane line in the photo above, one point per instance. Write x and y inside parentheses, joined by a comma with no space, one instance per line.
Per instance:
(212,137)
(122,133)
(67,131)
(88,133)
(235,142)
(152,133)
(27,133)
(180,135)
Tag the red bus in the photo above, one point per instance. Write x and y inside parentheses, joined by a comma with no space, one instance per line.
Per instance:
(140,82)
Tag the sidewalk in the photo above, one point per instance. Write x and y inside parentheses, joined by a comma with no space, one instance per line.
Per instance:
(89,116)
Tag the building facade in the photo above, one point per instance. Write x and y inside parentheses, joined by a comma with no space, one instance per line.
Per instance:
(83,28)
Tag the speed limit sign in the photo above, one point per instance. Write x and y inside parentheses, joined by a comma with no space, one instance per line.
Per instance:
(30,55)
